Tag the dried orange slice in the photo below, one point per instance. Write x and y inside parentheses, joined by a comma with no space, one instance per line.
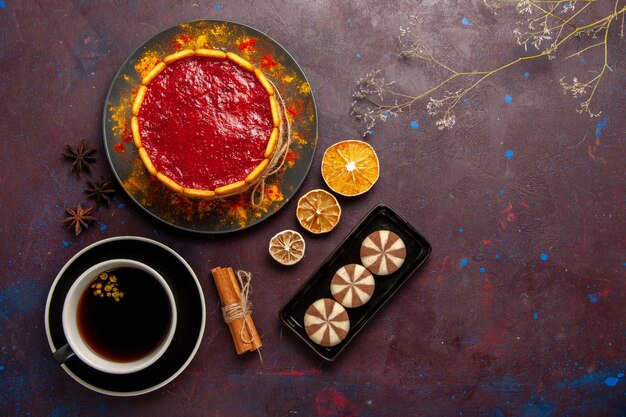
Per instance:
(318,211)
(287,247)
(350,167)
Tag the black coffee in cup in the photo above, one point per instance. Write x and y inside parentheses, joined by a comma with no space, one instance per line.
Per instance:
(124,314)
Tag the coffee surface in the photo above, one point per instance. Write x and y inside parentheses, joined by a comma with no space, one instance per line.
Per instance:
(124,314)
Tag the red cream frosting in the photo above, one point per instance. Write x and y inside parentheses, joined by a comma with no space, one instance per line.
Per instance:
(205,122)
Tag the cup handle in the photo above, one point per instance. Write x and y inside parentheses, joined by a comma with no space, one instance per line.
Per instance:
(63,354)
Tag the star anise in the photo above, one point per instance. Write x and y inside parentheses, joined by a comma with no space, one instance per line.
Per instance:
(79,219)
(80,157)
(101,191)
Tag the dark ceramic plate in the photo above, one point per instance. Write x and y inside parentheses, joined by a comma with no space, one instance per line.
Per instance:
(191,314)
(210,216)
(318,285)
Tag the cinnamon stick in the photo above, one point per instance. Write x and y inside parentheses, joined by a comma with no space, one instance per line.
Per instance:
(244,333)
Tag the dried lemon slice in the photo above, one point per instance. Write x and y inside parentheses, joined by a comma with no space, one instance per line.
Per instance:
(350,167)
(287,247)
(318,211)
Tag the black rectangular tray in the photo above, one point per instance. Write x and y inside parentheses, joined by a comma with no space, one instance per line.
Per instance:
(318,285)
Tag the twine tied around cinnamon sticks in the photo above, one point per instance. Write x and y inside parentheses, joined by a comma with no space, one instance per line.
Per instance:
(241,309)
(234,293)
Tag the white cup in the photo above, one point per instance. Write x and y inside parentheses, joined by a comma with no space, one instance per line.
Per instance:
(76,342)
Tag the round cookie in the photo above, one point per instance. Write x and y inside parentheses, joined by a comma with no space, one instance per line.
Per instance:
(383,252)
(326,322)
(352,285)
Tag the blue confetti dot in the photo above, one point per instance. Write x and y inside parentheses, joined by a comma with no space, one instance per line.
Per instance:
(465,100)
(583,60)
(1,368)
(465,21)
(104,227)
(600,126)
(218,7)
(501,192)
(421,375)
(3,5)
(509,154)
(536,316)
(415,124)
(460,230)
(508,99)
(620,375)
(544,256)
(482,270)
(526,74)
(121,205)
(464,262)
(497,256)
(611,381)
(66,243)
(358,56)
(372,131)
(594,298)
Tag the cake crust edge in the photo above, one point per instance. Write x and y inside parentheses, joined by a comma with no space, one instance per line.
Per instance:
(227,189)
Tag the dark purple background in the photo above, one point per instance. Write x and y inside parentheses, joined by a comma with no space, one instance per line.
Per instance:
(520,310)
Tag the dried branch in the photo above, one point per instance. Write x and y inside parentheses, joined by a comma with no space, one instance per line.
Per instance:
(546,28)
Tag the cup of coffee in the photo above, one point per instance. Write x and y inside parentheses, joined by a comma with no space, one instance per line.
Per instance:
(119,317)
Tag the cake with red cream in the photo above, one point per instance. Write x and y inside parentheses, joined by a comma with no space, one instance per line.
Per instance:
(206,123)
